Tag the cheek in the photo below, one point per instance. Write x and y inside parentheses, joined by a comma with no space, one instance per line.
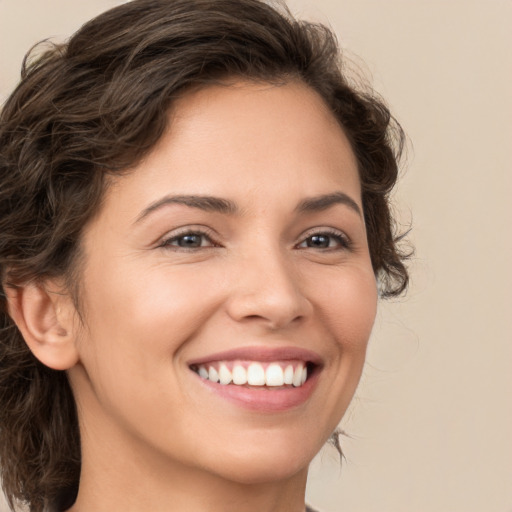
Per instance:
(348,313)
(146,314)
(136,326)
(347,307)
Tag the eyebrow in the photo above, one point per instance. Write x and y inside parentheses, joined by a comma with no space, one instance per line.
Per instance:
(323,202)
(206,203)
(228,207)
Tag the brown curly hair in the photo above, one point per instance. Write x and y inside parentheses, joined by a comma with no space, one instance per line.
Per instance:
(95,106)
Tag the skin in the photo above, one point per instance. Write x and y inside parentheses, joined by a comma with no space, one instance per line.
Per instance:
(153,437)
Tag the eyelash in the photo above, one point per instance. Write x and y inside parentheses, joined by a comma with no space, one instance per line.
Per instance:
(167,243)
(344,243)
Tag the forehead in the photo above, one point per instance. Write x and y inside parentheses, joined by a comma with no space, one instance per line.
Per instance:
(237,139)
(256,116)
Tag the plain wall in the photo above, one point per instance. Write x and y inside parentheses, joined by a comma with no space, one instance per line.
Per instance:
(431,424)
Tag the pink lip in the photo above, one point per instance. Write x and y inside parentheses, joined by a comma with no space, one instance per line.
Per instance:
(263,399)
(262,354)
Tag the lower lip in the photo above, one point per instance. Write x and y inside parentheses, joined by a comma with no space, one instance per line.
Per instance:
(264,399)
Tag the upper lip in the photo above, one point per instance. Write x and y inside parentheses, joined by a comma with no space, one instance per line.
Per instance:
(262,354)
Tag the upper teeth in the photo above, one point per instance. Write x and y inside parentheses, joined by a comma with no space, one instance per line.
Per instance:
(254,374)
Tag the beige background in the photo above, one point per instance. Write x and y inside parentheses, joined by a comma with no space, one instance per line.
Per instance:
(431,425)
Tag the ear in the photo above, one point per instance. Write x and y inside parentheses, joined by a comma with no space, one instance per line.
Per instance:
(45,316)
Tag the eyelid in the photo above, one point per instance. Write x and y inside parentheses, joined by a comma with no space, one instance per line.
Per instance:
(164,242)
(346,242)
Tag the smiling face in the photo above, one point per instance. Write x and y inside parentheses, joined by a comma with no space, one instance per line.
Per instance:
(236,247)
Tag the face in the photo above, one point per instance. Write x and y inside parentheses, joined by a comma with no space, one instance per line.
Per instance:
(235,251)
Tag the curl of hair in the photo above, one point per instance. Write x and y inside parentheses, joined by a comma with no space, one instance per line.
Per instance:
(94,107)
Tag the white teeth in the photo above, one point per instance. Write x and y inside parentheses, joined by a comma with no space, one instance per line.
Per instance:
(297,376)
(255,375)
(212,374)
(224,374)
(288,374)
(304,375)
(274,375)
(239,375)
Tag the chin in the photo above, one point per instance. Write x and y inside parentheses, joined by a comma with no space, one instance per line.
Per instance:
(268,470)
(266,459)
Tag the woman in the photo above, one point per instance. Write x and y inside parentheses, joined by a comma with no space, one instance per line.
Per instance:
(194,216)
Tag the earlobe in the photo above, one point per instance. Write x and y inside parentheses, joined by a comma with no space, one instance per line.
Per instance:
(44,316)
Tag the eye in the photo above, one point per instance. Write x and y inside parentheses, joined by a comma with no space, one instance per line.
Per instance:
(326,240)
(189,240)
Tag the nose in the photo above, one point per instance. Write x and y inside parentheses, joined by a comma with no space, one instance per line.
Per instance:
(266,290)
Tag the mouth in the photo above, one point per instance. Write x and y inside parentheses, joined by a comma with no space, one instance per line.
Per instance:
(275,374)
(260,379)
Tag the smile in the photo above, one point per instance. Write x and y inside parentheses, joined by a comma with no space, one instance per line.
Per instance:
(261,379)
(253,373)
